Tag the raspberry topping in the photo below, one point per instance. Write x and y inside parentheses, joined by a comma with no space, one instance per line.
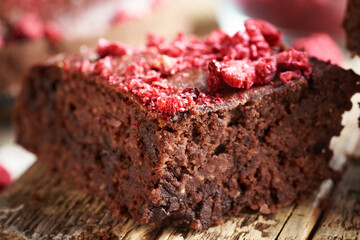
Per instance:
(271,34)
(1,42)
(265,69)
(29,26)
(236,73)
(106,48)
(52,32)
(292,59)
(5,179)
(321,46)
(168,77)
(103,67)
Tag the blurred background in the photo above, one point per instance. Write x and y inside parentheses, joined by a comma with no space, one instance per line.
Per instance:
(32,30)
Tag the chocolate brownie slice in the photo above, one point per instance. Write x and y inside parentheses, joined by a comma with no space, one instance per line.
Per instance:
(351,25)
(188,132)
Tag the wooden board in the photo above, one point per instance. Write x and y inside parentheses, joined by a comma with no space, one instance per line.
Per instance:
(42,206)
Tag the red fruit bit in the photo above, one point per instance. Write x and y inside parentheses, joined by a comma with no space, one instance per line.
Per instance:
(292,59)
(53,33)
(258,46)
(217,39)
(2,43)
(84,66)
(67,64)
(122,16)
(265,69)
(321,46)
(103,67)
(29,26)
(271,34)
(164,63)
(238,73)
(152,76)
(215,81)
(5,179)
(154,40)
(106,48)
(287,76)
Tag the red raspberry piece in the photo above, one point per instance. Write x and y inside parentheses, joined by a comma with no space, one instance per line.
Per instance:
(5,179)
(321,46)
(122,16)
(241,37)
(265,69)
(238,73)
(52,32)
(258,46)
(103,67)
(1,42)
(171,104)
(286,77)
(164,63)
(106,48)
(154,40)
(292,59)
(215,81)
(29,26)
(271,34)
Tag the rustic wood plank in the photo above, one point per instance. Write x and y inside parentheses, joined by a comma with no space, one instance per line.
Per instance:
(342,220)
(304,217)
(42,206)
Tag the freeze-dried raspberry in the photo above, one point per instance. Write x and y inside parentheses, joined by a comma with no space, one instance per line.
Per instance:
(265,69)
(1,42)
(154,40)
(271,34)
(258,46)
(321,46)
(292,59)
(106,48)
(238,73)
(5,179)
(52,32)
(103,67)
(287,76)
(29,26)
(215,81)
(217,39)
(164,63)
(122,16)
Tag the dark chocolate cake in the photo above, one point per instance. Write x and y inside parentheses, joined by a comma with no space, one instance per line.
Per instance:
(351,25)
(188,132)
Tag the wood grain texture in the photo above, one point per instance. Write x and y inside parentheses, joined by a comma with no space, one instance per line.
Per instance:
(342,220)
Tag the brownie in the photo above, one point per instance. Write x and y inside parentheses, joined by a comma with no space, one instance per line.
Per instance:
(187,132)
(33,30)
(351,25)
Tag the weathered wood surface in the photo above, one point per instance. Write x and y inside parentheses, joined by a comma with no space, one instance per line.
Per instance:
(42,206)
(342,220)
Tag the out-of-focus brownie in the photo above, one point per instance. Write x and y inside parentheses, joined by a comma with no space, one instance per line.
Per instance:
(351,25)
(33,30)
(188,132)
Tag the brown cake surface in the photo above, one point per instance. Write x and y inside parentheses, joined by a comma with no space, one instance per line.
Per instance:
(351,25)
(189,136)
